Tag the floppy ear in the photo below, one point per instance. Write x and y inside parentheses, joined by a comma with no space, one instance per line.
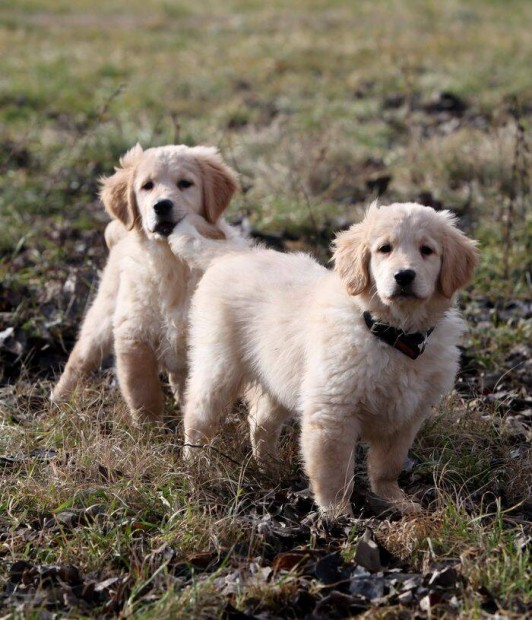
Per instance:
(459,257)
(351,258)
(219,182)
(117,192)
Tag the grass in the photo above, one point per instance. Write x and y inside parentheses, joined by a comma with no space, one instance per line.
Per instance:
(320,105)
(487,549)
(114,501)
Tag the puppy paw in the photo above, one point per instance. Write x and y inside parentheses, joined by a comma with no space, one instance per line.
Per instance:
(143,420)
(334,512)
(192,452)
(61,392)
(401,505)
(408,507)
(270,467)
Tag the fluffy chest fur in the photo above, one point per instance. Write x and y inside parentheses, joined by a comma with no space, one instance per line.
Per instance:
(355,374)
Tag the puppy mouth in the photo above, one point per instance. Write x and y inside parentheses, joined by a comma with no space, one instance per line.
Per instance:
(403,293)
(165,227)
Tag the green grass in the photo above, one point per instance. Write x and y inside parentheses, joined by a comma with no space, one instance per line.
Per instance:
(311,101)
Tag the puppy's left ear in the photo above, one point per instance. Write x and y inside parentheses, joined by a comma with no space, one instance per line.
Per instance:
(219,182)
(459,257)
(351,258)
(117,192)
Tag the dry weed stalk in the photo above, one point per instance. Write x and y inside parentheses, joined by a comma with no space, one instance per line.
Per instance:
(518,192)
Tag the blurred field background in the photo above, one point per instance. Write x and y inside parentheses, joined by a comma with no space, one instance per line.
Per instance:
(321,106)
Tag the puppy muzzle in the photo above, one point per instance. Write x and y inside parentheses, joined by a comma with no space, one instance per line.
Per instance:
(404,284)
(165,219)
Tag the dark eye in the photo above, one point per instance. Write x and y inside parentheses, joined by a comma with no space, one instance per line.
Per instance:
(184,184)
(385,249)
(147,186)
(425,250)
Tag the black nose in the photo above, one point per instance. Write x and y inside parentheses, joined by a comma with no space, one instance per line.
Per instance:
(404,277)
(163,207)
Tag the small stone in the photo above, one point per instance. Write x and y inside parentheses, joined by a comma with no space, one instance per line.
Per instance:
(406,597)
(367,554)
(445,578)
(67,518)
(412,583)
(370,588)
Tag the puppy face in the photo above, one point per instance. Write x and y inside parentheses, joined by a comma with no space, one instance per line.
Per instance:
(405,254)
(155,189)
(167,185)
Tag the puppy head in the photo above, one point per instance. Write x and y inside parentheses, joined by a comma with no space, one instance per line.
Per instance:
(154,189)
(405,254)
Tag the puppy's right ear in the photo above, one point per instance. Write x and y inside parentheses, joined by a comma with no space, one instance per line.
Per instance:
(117,191)
(351,258)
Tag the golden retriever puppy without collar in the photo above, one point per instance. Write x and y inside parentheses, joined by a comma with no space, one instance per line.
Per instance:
(338,348)
(142,302)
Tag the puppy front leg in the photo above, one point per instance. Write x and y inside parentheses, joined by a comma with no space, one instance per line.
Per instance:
(386,459)
(138,375)
(328,450)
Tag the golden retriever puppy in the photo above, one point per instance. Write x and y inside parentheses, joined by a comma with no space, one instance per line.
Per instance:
(360,352)
(142,303)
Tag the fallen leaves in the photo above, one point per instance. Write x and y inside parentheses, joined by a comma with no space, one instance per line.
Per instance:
(64,587)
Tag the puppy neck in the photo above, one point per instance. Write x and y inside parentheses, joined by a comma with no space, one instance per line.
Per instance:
(408,316)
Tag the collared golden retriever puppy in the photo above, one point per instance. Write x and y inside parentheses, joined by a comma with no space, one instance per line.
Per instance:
(360,352)
(142,303)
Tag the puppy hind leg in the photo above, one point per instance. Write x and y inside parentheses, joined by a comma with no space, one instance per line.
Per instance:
(266,419)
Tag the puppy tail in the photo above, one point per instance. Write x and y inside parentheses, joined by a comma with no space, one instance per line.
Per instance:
(188,243)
